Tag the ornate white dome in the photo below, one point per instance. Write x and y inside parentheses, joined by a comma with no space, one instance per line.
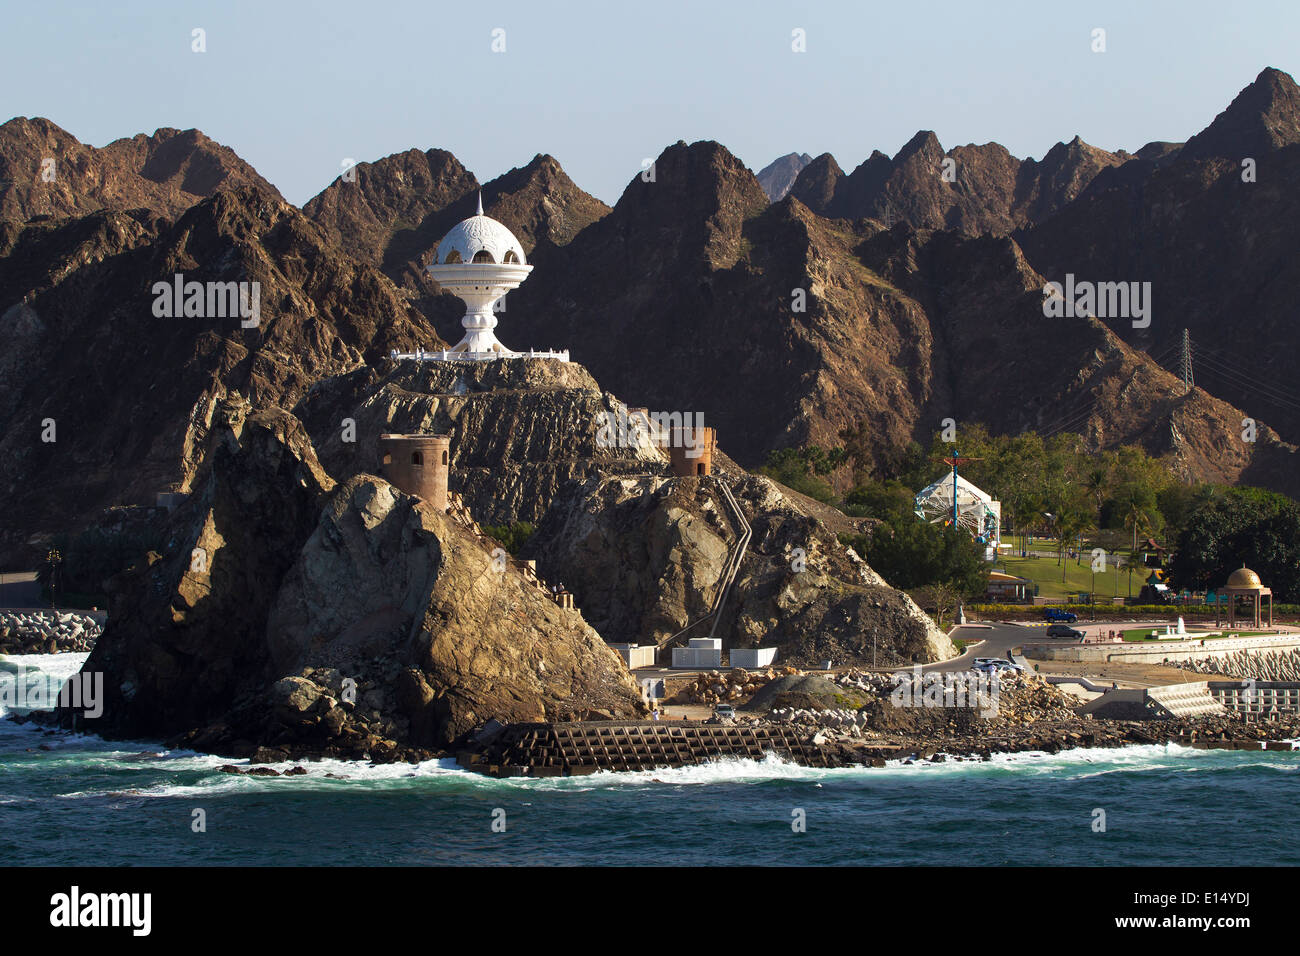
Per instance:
(480,234)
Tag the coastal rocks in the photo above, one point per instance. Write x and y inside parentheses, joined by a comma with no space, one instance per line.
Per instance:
(47,632)
(290,616)
(186,628)
(640,554)
(433,633)
(797,690)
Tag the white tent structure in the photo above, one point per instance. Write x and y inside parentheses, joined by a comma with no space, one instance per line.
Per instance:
(976,512)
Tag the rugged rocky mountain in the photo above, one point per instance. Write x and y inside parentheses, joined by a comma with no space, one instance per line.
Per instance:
(645,556)
(970,189)
(107,402)
(167,172)
(817,183)
(1215,240)
(779,175)
(787,328)
(279,586)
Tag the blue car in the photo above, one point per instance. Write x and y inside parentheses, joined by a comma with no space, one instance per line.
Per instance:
(1056,616)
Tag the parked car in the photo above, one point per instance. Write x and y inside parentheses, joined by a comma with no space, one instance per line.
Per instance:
(1063,630)
(724,710)
(1054,615)
(997,665)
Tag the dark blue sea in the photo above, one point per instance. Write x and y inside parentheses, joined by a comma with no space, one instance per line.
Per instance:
(85,801)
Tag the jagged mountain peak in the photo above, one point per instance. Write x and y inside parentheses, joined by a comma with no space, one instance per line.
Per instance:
(45,170)
(817,182)
(924,143)
(1264,116)
(779,175)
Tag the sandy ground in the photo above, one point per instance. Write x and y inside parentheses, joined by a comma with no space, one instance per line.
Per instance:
(1126,675)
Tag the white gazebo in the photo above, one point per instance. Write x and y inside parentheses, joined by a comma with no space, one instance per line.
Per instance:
(976,511)
(479,261)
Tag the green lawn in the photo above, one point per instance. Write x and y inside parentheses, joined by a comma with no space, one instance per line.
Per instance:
(1140,634)
(1078,577)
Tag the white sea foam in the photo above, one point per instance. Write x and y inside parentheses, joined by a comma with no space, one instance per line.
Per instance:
(54,669)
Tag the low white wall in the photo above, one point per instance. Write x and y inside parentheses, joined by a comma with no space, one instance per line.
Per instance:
(697,657)
(1148,652)
(752,657)
(636,655)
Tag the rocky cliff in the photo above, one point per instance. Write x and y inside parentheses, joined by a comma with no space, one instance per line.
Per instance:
(520,429)
(293,616)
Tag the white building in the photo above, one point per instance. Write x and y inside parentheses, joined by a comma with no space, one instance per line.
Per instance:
(479,261)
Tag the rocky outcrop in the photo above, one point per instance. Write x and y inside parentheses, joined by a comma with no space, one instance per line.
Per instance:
(186,631)
(645,557)
(290,616)
(520,429)
(387,580)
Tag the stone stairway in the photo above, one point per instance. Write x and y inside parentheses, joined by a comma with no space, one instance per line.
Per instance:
(734,558)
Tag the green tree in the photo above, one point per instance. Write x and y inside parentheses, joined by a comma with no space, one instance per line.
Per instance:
(1249,526)
(797,469)
(512,536)
(885,500)
(911,553)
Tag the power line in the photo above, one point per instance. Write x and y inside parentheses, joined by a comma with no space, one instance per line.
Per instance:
(1072,420)
(1250,375)
(1263,390)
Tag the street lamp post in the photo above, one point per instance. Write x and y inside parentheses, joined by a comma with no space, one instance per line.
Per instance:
(54,558)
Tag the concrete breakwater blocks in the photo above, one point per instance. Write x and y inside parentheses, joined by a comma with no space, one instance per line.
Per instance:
(572,749)
(39,630)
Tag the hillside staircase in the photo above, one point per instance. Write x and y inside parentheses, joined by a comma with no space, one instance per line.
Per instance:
(735,556)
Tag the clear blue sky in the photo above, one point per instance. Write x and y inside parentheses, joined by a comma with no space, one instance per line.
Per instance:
(294,87)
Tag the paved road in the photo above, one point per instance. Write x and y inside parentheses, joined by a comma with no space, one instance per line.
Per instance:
(997,642)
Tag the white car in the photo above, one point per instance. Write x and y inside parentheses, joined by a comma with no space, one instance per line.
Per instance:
(997,665)
(724,710)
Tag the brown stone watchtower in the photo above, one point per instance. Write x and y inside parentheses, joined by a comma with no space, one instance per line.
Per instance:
(418,465)
(691,451)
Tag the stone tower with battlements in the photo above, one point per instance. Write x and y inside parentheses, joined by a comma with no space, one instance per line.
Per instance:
(418,465)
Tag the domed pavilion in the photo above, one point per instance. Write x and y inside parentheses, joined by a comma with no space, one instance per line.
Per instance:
(1245,583)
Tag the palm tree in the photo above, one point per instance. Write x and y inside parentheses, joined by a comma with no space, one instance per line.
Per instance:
(1096,485)
(1070,523)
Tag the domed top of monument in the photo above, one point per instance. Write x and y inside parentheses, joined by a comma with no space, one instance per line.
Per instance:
(1244,577)
(480,239)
